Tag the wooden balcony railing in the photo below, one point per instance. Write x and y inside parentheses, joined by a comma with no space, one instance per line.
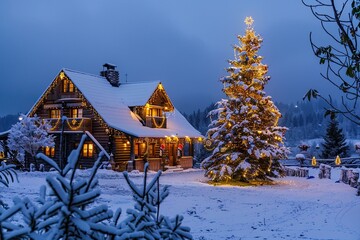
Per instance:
(156,122)
(70,124)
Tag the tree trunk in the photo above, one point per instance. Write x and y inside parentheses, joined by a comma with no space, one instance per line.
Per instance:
(35,162)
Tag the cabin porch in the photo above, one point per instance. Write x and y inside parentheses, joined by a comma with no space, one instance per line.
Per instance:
(160,153)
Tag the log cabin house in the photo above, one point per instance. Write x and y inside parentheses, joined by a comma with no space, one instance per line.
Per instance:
(131,122)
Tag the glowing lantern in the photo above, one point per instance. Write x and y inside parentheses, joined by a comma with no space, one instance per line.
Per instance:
(337,160)
(313,161)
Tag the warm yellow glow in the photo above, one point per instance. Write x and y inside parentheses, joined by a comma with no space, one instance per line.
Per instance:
(337,160)
(160,87)
(249,21)
(147,105)
(313,161)
(75,124)
(128,142)
(158,125)
(259,132)
(62,75)
(278,138)
(85,150)
(91,148)
(200,139)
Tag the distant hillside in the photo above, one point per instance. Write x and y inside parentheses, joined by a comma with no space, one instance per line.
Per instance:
(7,121)
(305,120)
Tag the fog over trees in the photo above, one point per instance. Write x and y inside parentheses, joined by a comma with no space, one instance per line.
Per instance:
(304,119)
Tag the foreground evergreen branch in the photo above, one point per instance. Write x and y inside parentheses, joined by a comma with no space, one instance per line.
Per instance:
(68,210)
(7,174)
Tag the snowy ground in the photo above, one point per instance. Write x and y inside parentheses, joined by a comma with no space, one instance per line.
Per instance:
(295,208)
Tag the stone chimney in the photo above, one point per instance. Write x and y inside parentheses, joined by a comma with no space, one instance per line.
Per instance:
(111,74)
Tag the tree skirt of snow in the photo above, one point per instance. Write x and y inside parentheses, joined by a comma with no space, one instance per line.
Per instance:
(294,208)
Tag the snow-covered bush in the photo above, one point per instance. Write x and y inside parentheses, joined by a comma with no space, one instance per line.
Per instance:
(32,167)
(29,135)
(69,211)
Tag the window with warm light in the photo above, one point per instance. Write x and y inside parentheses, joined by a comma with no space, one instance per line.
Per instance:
(68,86)
(139,149)
(49,151)
(2,155)
(55,113)
(76,113)
(88,150)
(155,112)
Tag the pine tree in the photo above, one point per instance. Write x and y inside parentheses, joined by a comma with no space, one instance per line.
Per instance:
(335,142)
(245,134)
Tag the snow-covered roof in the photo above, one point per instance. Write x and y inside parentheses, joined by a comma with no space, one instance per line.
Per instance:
(132,94)
(112,103)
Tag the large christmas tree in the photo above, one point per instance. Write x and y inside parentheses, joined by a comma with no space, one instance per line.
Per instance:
(246,139)
(335,142)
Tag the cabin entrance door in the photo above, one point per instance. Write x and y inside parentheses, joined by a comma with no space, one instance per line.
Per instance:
(172,154)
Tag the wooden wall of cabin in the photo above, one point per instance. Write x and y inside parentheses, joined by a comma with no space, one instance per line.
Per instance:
(170,153)
(157,142)
(70,142)
(121,151)
(98,129)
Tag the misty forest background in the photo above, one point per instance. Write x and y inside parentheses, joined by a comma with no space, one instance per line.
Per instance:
(305,122)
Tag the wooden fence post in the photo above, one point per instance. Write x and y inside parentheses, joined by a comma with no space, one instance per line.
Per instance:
(324,171)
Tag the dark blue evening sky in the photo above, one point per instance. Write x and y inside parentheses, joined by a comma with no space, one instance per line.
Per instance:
(183,43)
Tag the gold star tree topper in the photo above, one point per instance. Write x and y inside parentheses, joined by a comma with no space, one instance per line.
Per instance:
(249,21)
